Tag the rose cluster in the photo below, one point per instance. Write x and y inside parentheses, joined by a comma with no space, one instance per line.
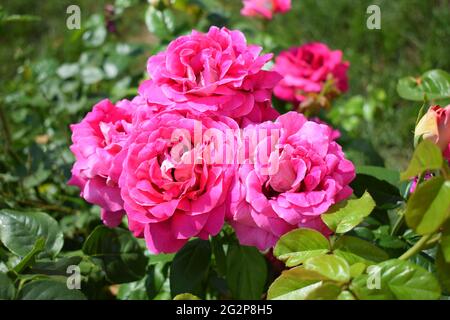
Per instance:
(201,145)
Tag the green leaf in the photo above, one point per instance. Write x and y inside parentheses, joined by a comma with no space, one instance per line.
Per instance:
(186,296)
(357,269)
(429,206)
(95,34)
(68,70)
(443,270)
(30,258)
(433,85)
(386,195)
(346,215)
(7,290)
(190,268)
(346,295)
(330,266)
(295,284)
(155,285)
(162,257)
(159,22)
(49,290)
(386,240)
(445,241)
(219,255)
(398,279)
(246,272)
(298,245)
(120,253)
(91,75)
(19,232)
(391,176)
(133,291)
(158,282)
(326,291)
(356,250)
(58,267)
(426,157)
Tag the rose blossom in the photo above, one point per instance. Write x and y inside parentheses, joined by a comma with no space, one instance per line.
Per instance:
(216,73)
(293,176)
(265,8)
(172,184)
(435,126)
(97,139)
(306,69)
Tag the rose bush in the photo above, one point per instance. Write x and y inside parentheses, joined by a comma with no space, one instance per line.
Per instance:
(194,180)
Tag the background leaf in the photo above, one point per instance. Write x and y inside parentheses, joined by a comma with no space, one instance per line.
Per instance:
(433,84)
(429,206)
(246,272)
(19,232)
(49,290)
(426,157)
(400,280)
(7,289)
(354,249)
(119,251)
(190,268)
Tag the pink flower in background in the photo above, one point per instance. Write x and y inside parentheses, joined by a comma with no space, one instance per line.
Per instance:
(293,176)
(215,73)
(435,126)
(306,69)
(97,139)
(414,182)
(170,191)
(265,8)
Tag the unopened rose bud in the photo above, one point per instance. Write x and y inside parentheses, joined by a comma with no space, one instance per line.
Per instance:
(435,126)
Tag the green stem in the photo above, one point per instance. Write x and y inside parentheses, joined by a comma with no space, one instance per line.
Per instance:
(416,248)
(398,224)
(434,239)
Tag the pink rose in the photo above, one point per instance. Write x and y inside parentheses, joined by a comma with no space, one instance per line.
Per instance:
(306,69)
(177,169)
(214,73)
(293,175)
(97,139)
(435,126)
(265,8)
